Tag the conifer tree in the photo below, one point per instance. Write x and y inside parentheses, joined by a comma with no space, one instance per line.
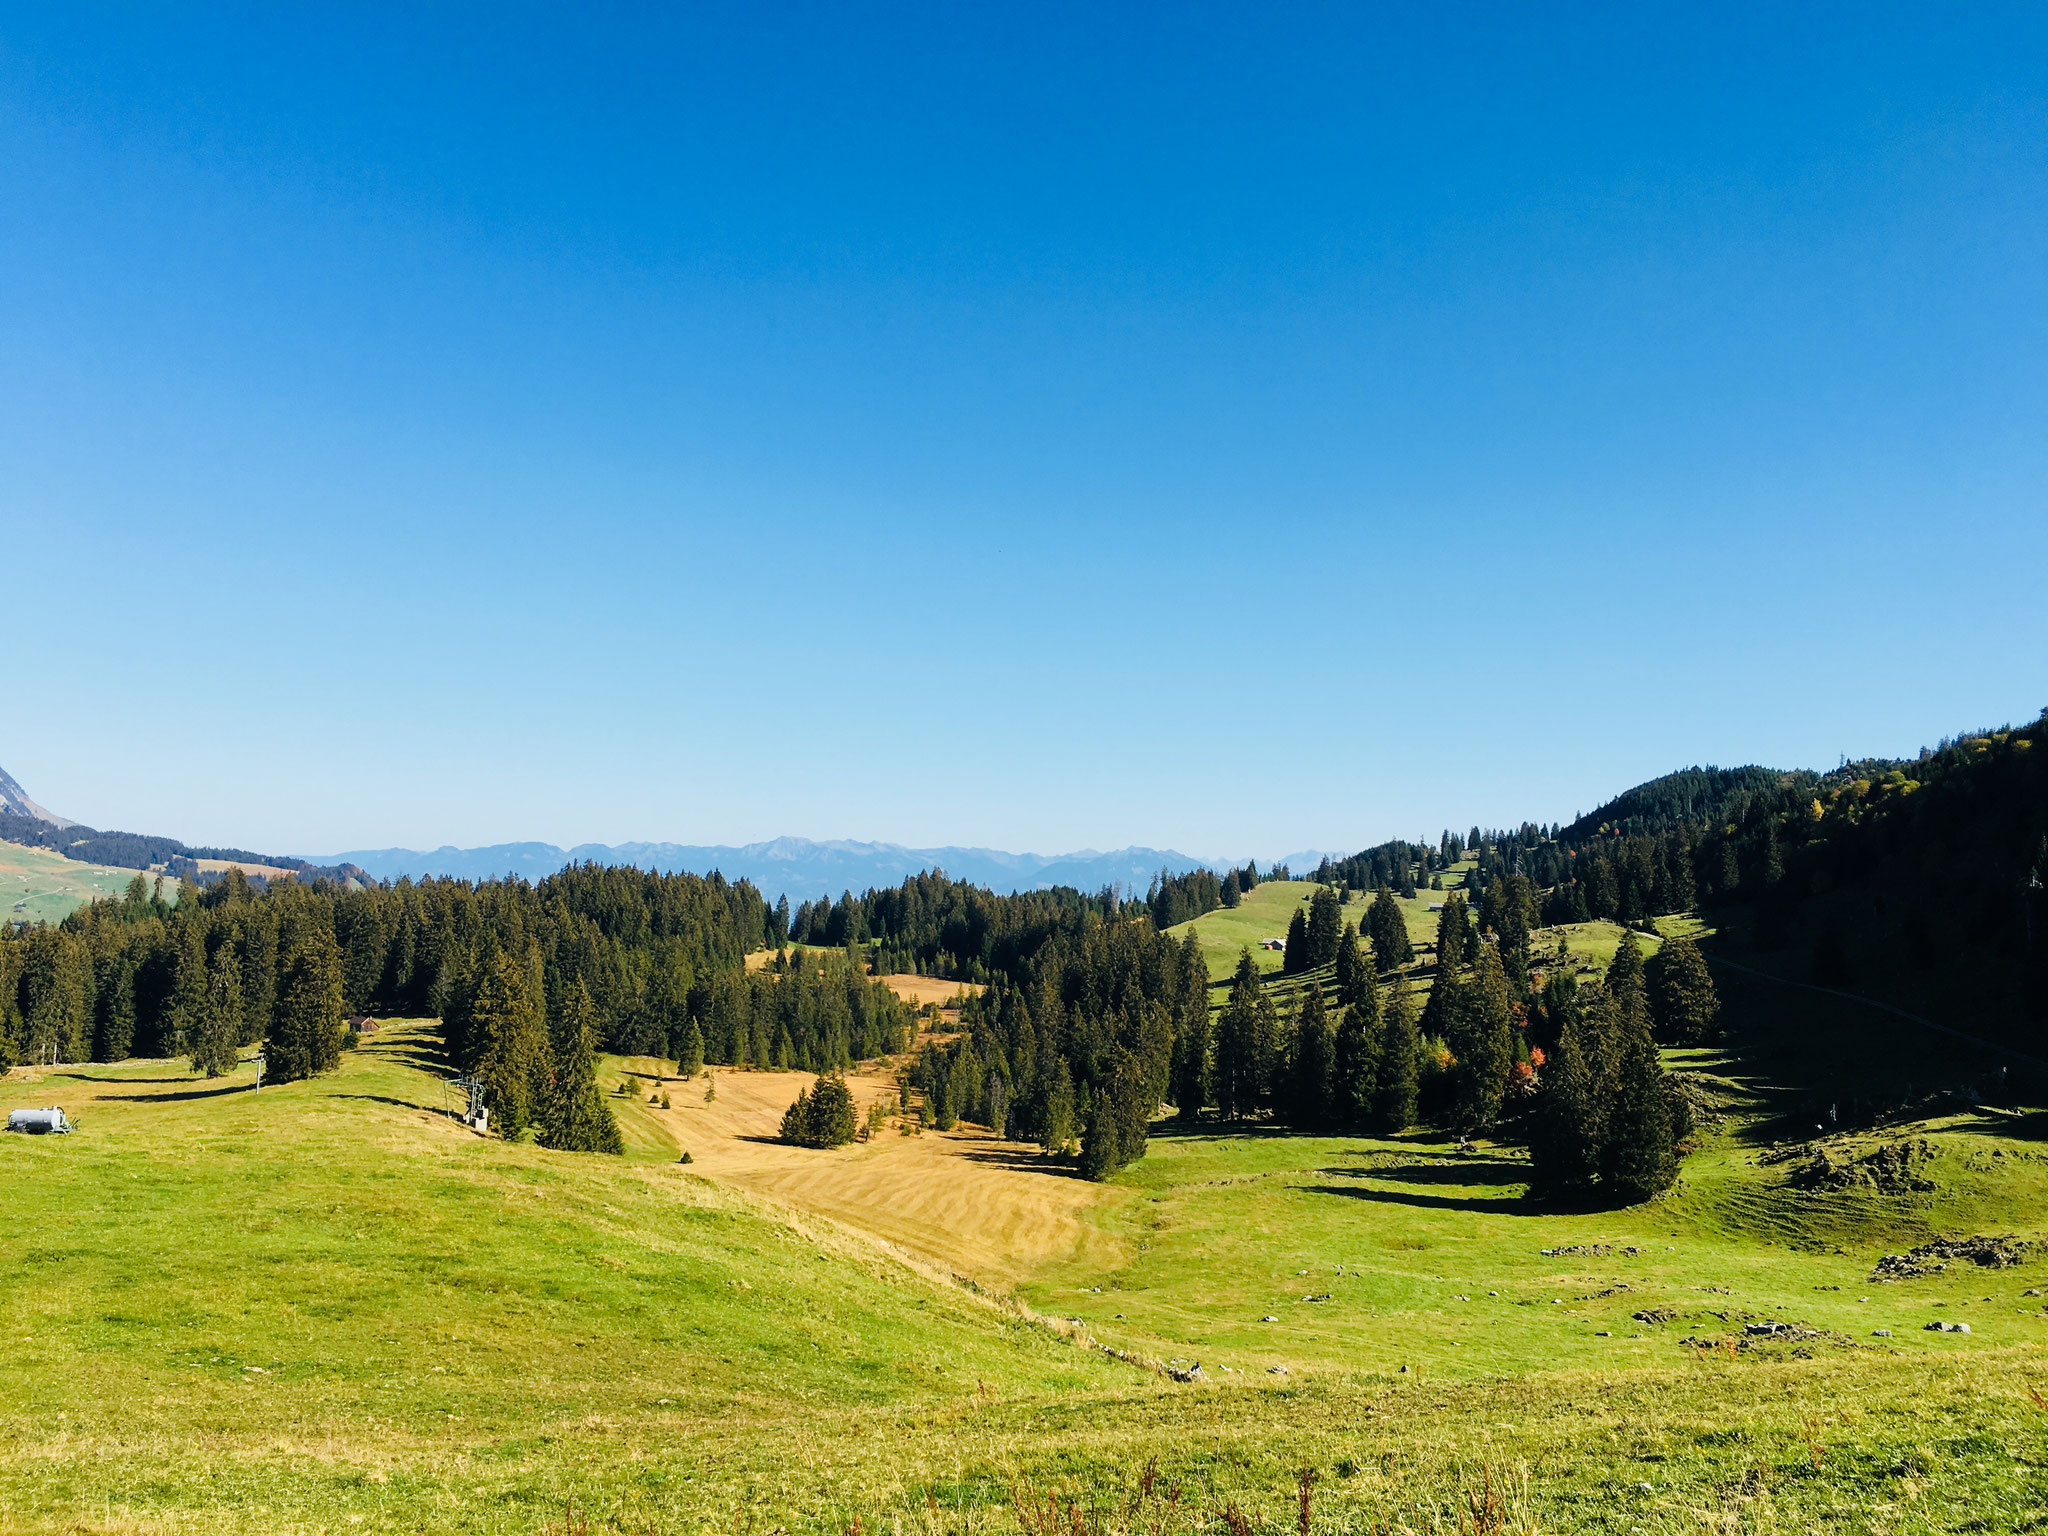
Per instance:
(574,1116)
(1684,1008)
(515,1067)
(1350,965)
(1312,1063)
(1566,1132)
(1389,929)
(1482,1038)
(690,1056)
(1239,1080)
(1440,1010)
(1395,1097)
(1454,941)
(1625,976)
(1324,928)
(305,1036)
(191,997)
(1638,1153)
(823,1117)
(1296,956)
(1101,1146)
(1057,1132)
(1360,1039)
(1190,1085)
(220,1028)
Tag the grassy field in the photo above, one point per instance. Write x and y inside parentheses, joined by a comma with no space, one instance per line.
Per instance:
(1264,914)
(328,1307)
(40,885)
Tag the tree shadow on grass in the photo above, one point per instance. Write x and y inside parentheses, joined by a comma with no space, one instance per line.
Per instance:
(87,1077)
(407,1054)
(169,1098)
(385,1098)
(1488,1204)
(1488,1171)
(1023,1161)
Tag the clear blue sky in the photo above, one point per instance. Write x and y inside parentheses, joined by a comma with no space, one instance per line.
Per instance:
(1234,429)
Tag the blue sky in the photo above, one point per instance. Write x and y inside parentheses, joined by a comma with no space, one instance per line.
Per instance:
(1233,429)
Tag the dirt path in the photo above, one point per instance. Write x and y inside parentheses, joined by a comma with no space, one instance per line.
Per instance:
(969,1200)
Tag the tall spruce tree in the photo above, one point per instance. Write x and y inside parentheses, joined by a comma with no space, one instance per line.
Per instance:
(1296,957)
(574,1116)
(1482,1039)
(1684,1008)
(1190,1086)
(1454,939)
(191,998)
(515,1067)
(1360,1039)
(690,1050)
(1389,930)
(1311,1063)
(1239,1081)
(220,1028)
(305,1035)
(1325,926)
(1566,1129)
(1350,963)
(1397,1095)
(1639,1152)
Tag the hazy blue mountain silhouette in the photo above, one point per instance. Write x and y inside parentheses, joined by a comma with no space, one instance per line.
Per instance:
(795,867)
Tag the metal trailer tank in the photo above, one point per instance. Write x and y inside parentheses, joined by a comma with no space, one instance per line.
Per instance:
(39,1122)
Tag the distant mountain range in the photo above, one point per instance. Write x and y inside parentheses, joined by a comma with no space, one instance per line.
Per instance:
(798,868)
(794,867)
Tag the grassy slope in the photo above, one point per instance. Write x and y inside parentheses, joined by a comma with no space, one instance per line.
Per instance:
(443,1323)
(459,1335)
(49,886)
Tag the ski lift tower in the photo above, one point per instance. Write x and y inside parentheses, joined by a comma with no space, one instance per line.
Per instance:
(474,1115)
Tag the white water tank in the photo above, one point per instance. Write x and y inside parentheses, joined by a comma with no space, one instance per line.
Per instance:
(39,1122)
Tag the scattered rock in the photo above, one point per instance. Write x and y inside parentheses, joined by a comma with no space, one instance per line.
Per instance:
(1588,1251)
(1654,1315)
(1187,1373)
(1894,1168)
(1276,1370)
(1880,1333)
(1932,1258)
(1323,1296)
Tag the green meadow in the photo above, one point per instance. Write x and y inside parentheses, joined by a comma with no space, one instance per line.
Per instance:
(326,1307)
(39,885)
